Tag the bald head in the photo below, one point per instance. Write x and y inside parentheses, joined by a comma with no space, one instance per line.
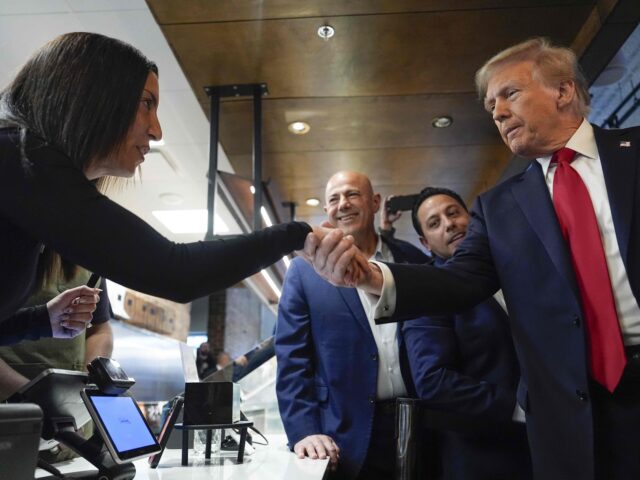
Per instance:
(351,205)
(351,177)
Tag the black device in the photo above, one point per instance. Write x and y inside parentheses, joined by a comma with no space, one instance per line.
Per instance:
(167,428)
(57,392)
(19,435)
(121,424)
(401,203)
(208,403)
(109,376)
(93,280)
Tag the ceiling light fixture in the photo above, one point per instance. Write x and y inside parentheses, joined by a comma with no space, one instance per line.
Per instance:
(325,32)
(299,128)
(312,202)
(443,121)
(271,282)
(172,199)
(266,217)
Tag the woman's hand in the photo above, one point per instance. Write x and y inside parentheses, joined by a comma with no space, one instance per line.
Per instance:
(71,311)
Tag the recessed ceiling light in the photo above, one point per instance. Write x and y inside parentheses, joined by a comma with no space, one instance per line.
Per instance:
(443,121)
(172,199)
(312,202)
(299,128)
(326,32)
(252,189)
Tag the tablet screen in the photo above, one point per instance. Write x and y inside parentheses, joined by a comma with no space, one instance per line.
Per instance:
(122,422)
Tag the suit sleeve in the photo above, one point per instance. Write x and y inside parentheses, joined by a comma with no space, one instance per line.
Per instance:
(461,283)
(434,360)
(295,353)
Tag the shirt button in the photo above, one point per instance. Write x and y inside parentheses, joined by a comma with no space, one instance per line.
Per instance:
(582,396)
(386,308)
(374,356)
(576,320)
(390,369)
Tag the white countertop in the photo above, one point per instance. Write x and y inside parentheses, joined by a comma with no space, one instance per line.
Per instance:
(270,462)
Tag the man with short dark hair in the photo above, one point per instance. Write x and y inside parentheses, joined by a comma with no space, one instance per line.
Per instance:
(466,363)
(562,240)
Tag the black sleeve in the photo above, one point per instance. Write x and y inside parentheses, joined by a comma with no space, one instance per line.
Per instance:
(57,205)
(29,323)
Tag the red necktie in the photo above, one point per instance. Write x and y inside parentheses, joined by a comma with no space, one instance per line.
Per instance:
(580,230)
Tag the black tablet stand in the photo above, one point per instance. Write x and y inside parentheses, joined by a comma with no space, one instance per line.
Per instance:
(242,425)
(95,452)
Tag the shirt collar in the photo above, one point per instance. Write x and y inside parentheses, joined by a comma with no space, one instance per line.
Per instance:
(382,252)
(583,142)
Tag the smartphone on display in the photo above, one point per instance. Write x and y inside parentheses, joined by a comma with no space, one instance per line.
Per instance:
(401,203)
(167,428)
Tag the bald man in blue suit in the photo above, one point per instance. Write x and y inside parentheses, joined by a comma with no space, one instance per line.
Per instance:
(338,372)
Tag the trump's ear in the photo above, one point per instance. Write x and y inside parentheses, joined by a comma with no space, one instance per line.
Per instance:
(566,94)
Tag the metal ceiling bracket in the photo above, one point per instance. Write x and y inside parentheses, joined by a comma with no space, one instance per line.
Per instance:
(215,93)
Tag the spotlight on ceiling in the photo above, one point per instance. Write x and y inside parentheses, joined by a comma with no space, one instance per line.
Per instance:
(443,121)
(299,128)
(325,32)
(312,202)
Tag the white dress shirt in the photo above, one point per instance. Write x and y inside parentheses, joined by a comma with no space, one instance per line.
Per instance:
(587,164)
(390,381)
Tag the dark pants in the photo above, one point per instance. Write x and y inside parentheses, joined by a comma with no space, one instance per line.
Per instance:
(380,461)
(617,424)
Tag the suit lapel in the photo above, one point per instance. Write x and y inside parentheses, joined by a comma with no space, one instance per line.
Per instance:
(617,152)
(532,195)
(352,299)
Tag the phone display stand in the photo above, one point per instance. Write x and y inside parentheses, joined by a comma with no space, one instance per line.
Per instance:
(242,425)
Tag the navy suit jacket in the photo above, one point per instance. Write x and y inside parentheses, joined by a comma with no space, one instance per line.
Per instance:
(328,361)
(466,363)
(514,242)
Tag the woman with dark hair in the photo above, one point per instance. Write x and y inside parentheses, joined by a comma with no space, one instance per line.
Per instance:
(82,108)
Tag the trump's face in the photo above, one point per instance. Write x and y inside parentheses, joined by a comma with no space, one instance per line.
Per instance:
(525,110)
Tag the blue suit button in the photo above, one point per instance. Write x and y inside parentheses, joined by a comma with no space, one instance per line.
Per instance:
(372,399)
(582,396)
(374,356)
(576,320)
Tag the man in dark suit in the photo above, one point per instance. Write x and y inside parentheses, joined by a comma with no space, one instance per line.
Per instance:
(577,344)
(338,372)
(466,363)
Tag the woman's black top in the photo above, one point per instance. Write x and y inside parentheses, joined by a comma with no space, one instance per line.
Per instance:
(53,203)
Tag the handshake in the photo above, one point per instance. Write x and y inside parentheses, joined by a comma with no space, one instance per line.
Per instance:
(337,259)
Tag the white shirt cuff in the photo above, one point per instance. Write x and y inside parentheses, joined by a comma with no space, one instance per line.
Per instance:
(518,414)
(385,304)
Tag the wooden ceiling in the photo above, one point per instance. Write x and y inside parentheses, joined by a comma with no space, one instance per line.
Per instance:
(370,92)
